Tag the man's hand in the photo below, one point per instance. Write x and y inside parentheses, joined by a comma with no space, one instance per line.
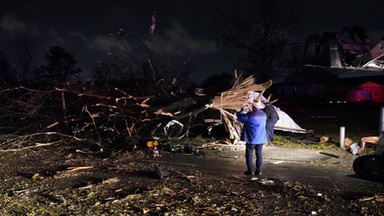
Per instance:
(246,108)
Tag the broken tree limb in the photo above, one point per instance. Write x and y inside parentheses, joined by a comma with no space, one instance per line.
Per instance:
(235,97)
(75,169)
(330,154)
(231,124)
(31,147)
(375,198)
(25,142)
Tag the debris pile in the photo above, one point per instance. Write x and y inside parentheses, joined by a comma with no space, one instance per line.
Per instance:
(109,119)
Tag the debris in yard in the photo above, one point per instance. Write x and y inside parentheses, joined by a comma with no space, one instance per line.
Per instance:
(190,178)
(354,148)
(75,169)
(229,156)
(324,139)
(330,154)
(347,142)
(160,172)
(87,151)
(37,176)
(153,150)
(373,198)
(114,120)
(263,181)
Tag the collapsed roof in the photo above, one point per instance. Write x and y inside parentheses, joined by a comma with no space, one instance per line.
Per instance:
(346,54)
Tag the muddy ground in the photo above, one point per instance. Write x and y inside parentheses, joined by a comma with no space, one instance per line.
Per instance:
(58,180)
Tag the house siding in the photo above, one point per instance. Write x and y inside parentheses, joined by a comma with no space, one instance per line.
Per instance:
(375,90)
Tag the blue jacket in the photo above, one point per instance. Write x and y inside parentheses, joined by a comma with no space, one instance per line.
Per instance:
(254,130)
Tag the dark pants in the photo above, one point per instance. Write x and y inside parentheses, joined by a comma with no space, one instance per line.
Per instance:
(258,150)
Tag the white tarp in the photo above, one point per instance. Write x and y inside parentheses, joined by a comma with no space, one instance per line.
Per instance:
(286,123)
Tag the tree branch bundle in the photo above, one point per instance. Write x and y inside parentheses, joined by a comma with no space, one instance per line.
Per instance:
(236,97)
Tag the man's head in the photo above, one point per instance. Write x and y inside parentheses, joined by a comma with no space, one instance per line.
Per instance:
(257,104)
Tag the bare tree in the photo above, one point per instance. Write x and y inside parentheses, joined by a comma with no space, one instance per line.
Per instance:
(22,54)
(7,76)
(142,71)
(259,35)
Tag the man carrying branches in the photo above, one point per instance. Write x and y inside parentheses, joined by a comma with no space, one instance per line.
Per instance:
(254,134)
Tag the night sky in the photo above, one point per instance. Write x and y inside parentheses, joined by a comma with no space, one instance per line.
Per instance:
(182,27)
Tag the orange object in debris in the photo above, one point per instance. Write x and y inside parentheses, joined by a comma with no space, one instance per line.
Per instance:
(152,143)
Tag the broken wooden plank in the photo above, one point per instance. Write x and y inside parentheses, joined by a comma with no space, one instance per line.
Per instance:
(74,169)
(330,154)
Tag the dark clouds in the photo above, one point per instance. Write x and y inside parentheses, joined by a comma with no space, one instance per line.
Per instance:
(183,27)
(84,27)
(333,15)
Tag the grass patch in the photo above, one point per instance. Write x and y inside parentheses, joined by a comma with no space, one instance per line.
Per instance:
(290,142)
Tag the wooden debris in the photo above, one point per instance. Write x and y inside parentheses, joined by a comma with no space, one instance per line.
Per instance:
(102,117)
(375,198)
(324,139)
(330,154)
(75,169)
(160,172)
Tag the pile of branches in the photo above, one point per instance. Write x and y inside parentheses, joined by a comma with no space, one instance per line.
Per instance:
(69,114)
(227,103)
(111,120)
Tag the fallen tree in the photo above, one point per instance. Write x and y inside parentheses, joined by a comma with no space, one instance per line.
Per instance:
(111,120)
